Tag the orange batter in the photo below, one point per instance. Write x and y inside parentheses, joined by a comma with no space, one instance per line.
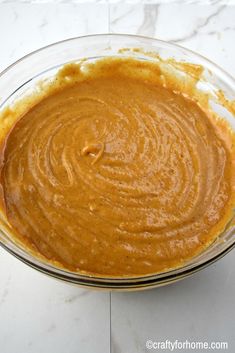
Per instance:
(115,174)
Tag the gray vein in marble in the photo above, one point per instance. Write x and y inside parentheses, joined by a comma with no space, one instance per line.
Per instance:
(77,319)
(13,51)
(226,29)
(5,291)
(117,19)
(134,337)
(73,298)
(15,14)
(51,328)
(153,2)
(149,23)
(44,23)
(4,295)
(196,30)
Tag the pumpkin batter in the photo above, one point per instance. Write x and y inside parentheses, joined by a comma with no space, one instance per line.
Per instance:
(116,175)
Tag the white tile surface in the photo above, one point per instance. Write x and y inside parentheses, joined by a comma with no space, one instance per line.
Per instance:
(38,314)
(27,27)
(200,308)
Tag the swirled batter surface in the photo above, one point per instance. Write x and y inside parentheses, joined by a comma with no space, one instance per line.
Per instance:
(116,176)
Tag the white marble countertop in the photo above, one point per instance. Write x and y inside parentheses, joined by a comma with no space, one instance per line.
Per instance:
(39,314)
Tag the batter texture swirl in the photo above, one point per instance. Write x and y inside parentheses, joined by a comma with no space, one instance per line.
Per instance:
(116,176)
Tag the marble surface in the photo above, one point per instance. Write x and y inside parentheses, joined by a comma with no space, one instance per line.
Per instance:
(39,314)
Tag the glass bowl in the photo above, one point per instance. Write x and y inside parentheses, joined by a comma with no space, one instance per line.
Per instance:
(20,79)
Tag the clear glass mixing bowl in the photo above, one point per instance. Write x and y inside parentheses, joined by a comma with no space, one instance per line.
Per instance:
(20,79)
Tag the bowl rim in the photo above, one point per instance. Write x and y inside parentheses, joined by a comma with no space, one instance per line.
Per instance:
(170,44)
(149,280)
